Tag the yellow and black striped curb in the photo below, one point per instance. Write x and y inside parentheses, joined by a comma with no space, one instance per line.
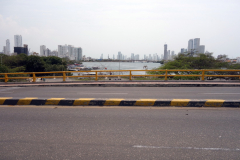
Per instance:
(120,102)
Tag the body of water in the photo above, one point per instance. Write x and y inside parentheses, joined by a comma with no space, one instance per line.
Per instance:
(123,66)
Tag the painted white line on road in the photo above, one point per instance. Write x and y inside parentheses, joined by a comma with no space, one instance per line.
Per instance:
(105,93)
(195,148)
(220,93)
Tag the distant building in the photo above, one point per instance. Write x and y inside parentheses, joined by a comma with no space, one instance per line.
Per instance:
(190,45)
(4,49)
(42,50)
(165,52)
(196,44)
(182,50)
(136,57)
(201,49)
(79,54)
(119,56)
(17,41)
(238,60)
(8,47)
(172,55)
(20,50)
(132,56)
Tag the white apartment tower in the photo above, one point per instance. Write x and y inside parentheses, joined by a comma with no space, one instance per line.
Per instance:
(201,49)
(196,44)
(132,56)
(8,47)
(42,50)
(190,45)
(17,41)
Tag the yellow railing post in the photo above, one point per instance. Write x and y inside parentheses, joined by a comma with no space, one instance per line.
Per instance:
(34,77)
(96,77)
(64,76)
(6,78)
(130,75)
(166,75)
(203,74)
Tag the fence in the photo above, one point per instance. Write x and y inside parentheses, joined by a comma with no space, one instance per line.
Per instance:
(202,74)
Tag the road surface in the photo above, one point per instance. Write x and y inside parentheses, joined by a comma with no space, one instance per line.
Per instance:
(227,93)
(118,133)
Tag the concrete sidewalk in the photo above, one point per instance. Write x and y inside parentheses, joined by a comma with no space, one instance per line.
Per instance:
(127,84)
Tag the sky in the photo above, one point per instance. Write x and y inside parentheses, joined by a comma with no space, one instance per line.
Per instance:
(130,26)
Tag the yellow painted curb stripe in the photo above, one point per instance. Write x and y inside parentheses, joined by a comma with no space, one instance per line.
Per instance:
(2,99)
(180,102)
(82,101)
(145,102)
(213,103)
(53,101)
(25,101)
(112,102)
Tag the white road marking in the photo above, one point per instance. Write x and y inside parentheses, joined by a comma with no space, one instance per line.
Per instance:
(196,148)
(103,93)
(220,93)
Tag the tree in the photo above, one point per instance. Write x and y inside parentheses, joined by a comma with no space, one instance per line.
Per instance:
(35,64)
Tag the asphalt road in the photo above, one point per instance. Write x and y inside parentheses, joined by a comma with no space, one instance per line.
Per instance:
(227,93)
(119,133)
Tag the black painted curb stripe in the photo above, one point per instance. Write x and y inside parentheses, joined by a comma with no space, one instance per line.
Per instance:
(159,102)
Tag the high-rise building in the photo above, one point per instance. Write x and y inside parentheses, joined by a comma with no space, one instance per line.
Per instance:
(196,44)
(79,54)
(8,47)
(190,45)
(47,52)
(182,50)
(132,56)
(42,50)
(20,50)
(60,51)
(169,55)
(136,57)
(17,41)
(201,49)
(119,56)
(4,50)
(165,52)
(172,54)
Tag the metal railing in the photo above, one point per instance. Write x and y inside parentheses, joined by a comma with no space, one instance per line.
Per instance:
(202,74)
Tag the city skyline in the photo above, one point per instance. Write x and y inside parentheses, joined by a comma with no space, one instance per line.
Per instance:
(136,26)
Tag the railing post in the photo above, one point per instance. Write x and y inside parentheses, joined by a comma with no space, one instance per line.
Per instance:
(34,77)
(96,77)
(166,75)
(64,76)
(6,78)
(203,75)
(130,75)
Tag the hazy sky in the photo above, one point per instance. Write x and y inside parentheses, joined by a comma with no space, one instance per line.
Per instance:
(130,26)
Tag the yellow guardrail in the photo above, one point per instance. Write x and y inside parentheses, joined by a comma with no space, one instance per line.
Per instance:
(164,73)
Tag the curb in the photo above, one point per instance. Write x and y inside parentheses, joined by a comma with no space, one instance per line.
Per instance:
(122,85)
(122,102)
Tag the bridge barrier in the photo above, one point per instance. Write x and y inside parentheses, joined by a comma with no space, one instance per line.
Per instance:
(121,102)
(96,74)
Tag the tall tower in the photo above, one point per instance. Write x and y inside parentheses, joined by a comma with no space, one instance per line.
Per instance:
(79,54)
(190,45)
(165,52)
(196,44)
(42,50)
(17,41)
(8,47)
